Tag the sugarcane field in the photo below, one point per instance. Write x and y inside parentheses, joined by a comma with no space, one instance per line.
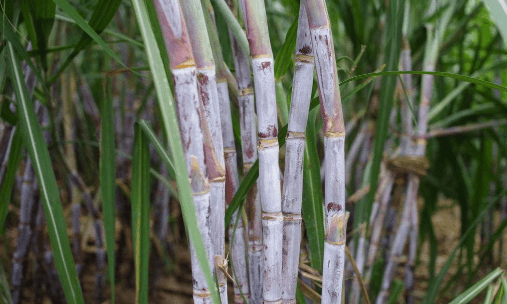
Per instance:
(253,151)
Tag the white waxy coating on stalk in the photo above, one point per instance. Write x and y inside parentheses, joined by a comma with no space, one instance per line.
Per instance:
(225,116)
(399,240)
(269,180)
(378,223)
(295,145)
(272,228)
(201,290)
(334,149)
(354,151)
(208,91)
(186,95)
(173,15)
(334,259)
(248,128)
(360,258)
(192,140)
(265,97)
(238,246)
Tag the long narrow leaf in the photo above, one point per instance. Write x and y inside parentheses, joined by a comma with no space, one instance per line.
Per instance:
(141,213)
(313,211)
(108,183)
(10,176)
(478,287)
(39,154)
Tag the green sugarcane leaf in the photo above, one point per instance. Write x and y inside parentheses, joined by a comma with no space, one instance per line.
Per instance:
(5,292)
(6,113)
(283,58)
(15,154)
(101,17)
(43,13)
(313,206)
(243,189)
(395,22)
(233,24)
(478,287)
(12,37)
(485,83)
(39,154)
(152,137)
(396,291)
(489,295)
(108,182)
(170,124)
(141,213)
(498,11)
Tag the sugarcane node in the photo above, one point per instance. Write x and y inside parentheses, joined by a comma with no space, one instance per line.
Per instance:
(404,164)
(291,217)
(185,64)
(247,91)
(296,135)
(266,143)
(304,58)
(274,216)
(334,134)
(201,294)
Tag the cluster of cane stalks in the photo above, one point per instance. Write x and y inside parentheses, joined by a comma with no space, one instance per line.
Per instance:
(263,251)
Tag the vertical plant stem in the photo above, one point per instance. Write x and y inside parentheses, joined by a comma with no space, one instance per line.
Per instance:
(189,109)
(26,211)
(214,151)
(334,151)
(254,13)
(376,227)
(293,177)
(238,252)
(68,91)
(248,127)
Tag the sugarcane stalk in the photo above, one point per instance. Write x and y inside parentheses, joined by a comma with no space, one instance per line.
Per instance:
(100,253)
(254,13)
(354,151)
(293,178)
(334,151)
(407,222)
(68,88)
(238,248)
(214,151)
(248,127)
(376,227)
(189,108)
(5,148)
(162,205)
(360,261)
(38,249)
(26,211)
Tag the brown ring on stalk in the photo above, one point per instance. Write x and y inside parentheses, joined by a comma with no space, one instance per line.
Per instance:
(266,143)
(247,91)
(304,58)
(334,134)
(296,135)
(275,216)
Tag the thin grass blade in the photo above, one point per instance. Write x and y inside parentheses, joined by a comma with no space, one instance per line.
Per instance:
(10,176)
(141,213)
(39,154)
(108,183)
